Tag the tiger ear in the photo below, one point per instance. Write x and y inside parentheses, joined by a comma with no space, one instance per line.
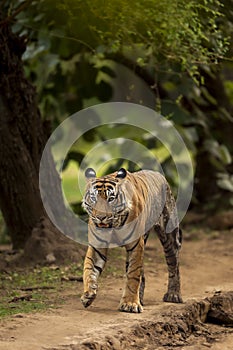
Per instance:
(90,173)
(121,174)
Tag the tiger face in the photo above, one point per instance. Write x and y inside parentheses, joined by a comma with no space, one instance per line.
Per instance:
(105,200)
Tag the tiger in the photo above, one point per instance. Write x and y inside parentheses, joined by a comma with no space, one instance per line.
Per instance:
(123,208)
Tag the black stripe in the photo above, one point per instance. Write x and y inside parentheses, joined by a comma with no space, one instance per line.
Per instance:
(104,183)
(98,268)
(97,186)
(131,290)
(126,217)
(180,235)
(99,239)
(88,257)
(131,249)
(103,257)
(171,258)
(138,267)
(146,237)
(169,248)
(88,268)
(111,182)
(117,194)
(137,279)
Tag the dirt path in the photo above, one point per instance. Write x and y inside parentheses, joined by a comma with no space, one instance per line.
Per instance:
(206,267)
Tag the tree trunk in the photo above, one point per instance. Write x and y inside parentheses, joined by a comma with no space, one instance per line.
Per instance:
(22,140)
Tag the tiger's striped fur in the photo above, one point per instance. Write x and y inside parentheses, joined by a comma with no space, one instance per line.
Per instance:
(122,209)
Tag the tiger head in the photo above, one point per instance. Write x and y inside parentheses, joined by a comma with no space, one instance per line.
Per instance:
(105,199)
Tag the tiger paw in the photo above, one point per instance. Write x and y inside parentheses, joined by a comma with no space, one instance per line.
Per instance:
(134,307)
(87,298)
(172,297)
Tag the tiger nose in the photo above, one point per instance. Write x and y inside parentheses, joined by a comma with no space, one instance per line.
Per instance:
(101,217)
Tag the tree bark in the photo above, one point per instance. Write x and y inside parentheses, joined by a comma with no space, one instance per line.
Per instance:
(22,140)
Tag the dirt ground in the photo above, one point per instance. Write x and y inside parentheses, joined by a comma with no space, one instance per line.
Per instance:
(206,268)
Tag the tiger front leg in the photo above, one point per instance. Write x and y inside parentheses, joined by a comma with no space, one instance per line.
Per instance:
(130,301)
(93,265)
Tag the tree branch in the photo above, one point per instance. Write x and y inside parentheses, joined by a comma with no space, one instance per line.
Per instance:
(19,9)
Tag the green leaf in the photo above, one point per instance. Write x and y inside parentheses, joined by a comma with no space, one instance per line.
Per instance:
(225,155)
(225,182)
(221,152)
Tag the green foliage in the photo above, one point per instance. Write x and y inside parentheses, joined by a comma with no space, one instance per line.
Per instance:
(202,113)
(174,46)
(225,181)
(182,31)
(150,31)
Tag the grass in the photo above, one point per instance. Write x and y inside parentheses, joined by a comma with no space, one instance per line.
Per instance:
(36,290)
(44,288)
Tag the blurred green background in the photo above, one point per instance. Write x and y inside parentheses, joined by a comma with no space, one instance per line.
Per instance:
(174,57)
